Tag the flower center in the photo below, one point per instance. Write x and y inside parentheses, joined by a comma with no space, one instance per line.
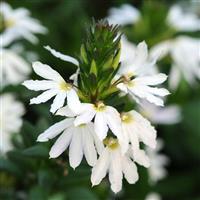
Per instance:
(82,125)
(100,106)
(126,117)
(9,23)
(65,86)
(111,143)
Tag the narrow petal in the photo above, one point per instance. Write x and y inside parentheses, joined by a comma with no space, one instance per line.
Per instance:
(61,143)
(54,130)
(62,56)
(45,96)
(39,85)
(73,101)
(58,101)
(151,80)
(65,111)
(100,126)
(88,146)
(46,72)
(76,148)
(100,169)
(98,143)
(85,116)
(129,170)
(115,171)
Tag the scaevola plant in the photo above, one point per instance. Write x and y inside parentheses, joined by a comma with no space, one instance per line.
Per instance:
(97,123)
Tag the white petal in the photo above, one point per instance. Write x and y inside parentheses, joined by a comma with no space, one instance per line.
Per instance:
(86,116)
(129,170)
(73,101)
(122,87)
(46,72)
(65,111)
(145,131)
(45,96)
(61,143)
(39,85)
(115,171)
(62,56)
(100,126)
(100,169)
(113,120)
(88,146)
(98,143)
(76,148)
(141,54)
(58,102)
(54,130)
(151,80)
(174,77)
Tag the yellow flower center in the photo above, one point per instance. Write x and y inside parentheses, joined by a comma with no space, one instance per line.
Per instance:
(126,117)
(82,125)
(111,143)
(100,106)
(9,23)
(65,86)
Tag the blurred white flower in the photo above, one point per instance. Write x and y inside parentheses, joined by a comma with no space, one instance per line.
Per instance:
(136,83)
(81,140)
(14,69)
(105,117)
(158,162)
(137,129)
(185,53)
(126,14)
(18,24)
(55,85)
(182,20)
(11,112)
(113,162)
(158,115)
(153,196)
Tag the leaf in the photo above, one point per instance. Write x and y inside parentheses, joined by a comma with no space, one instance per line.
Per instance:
(39,151)
(93,68)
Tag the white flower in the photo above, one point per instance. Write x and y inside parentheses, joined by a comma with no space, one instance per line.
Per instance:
(14,69)
(136,83)
(138,129)
(11,112)
(157,169)
(18,24)
(113,162)
(105,117)
(153,196)
(158,115)
(182,20)
(55,85)
(81,140)
(124,15)
(184,52)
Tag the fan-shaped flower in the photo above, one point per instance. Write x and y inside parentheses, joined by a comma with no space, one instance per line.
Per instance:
(11,112)
(14,68)
(182,20)
(136,83)
(81,139)
(137,129)
(55,85)
(113,162)
(179,48)
(18,24)
(105,117)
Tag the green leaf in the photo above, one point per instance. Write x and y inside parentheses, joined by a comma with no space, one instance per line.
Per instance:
(39,150)
(93,68)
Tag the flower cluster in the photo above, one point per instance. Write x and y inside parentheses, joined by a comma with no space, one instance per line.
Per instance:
(15,24)
(97,124)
